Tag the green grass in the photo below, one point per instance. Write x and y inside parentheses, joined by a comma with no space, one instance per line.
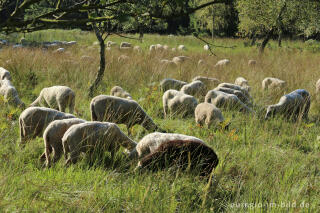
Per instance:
(269,164)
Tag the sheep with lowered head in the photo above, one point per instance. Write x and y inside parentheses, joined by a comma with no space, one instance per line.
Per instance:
(119,92)
(242,82)
(10,93)
(182,47)
(52,137)
(94,138)
(241,95)
(178,103)
(4,74)
(273,84)
(206,113)
(34,120)
(236,87)
(169,83)
(209,82)
(120,111)
(291,106)
(222,63)
(125,45)
(178,60)
(56,97)
(195,88)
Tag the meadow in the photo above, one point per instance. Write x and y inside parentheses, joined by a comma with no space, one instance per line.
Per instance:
(265,166)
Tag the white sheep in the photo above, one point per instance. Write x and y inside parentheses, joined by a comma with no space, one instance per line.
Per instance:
(123,58)
(225,100)
(34,120)
(111,44)
(252,62)
(137,48)
(178,60)
(182,47)
(273,84)
(159,47)
(56,97)
(245,99)
(119,92)
(195,88)
(169,83)
(125,45)
(149,143)
(10,93)
(291,105)
(242,82)
(4,74)
(94,138)
(222,63)
(206,47)
(165,47)
(209,82)
(52,137)
(236,87)
(120,111)
(206,113)
(152,48)
(178,103)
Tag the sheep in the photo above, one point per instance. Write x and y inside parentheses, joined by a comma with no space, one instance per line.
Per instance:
(185,155)
(222,63)
(111,43)
(159,47)
(52,137)
(178,60)
(182,47)
(225,100)
(125,45)
(56,97)
(165,47)
(179,103)
(120,111)
(119,92)
(252,62)
(169,83)
(10,94)
(209,82)
(242,82)
(34,120)
(236,87)
(167,62)
(291,105)
(273,84)
(208,113)
(59,50)
(123,58)
(152,48)
(245,99)
(151,142)
(137,48)
(71,43)
(195,88)
(94,136)
(4,74)
(206,47)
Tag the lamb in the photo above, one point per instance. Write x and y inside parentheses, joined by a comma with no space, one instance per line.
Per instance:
(273,84)
(120,111)
(208,114)
(52,137)
(94,138)
(182,47)
(225,100)
(34,120)
(179,103)
(222,63)
(10,94)
(195,88)
(209,82)
(4,74)
(242,82)
(56,97)
(119,92)
(291,106)
(178,60)
(125,45)
(169,83)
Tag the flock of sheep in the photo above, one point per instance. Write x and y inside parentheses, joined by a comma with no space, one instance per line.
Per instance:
(64,133)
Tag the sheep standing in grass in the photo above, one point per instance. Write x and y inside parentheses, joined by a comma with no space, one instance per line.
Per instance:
(244,90)
(242,82)
(178,103)
(208,114)
(182,47)
(119,92)
(4,74)
(111,43)
(52,137)
(34,120)
(178,60)
(169,83)
(94,138)
(125,45)
(195,88)
(120,111)
(273,84)
(222,63)
(245,99)
(292,105)
(56,97)
(252,62)
(10,93)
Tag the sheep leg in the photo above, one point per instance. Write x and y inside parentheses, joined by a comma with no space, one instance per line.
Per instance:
(57,154)
(47,155)
(62,107)
(71,105)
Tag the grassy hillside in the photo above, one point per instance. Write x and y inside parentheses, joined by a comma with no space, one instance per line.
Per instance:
(264,165)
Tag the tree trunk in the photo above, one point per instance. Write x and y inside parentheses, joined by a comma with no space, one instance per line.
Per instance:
(280,39)
(102,67)
(266,40)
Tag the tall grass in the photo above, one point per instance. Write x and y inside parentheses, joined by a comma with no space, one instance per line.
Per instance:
(264,165)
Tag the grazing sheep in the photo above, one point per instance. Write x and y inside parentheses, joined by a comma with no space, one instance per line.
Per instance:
(4,74)
(178,60)
(209,82)
(125,45)
(123,58)
(179,103)
(242,82)
(225,100)
(119,92)
(252,62)
(56,97)
(291,105)
(59,50)
(165,47)
(167,62)
(159,47)
(169,83)
(185,155)
(34,120)
(195,88)
(52,137)
(273,84)
(236,87)
(208,114)
(120,111)
(206,47)
(137,48)
(152,48)
(151,142)
(173,49)
(94,138)
(10,93)
(182,47)
(238,93)
(111,43)
(222,63)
